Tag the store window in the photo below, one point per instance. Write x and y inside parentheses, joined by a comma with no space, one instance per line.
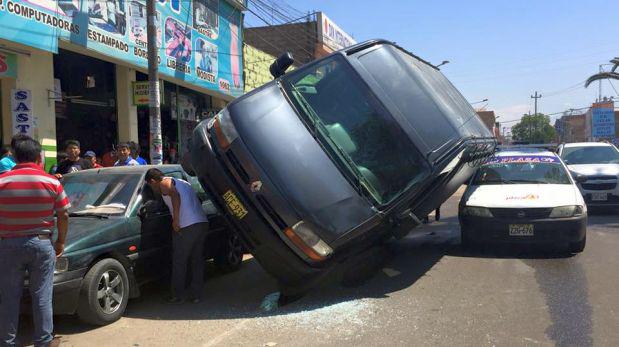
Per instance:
(179,116)
(85,95)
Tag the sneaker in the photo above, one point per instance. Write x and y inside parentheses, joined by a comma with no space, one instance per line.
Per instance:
(172,300)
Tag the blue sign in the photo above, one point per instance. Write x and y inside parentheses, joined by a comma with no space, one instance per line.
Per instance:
(200,41)
(603,122)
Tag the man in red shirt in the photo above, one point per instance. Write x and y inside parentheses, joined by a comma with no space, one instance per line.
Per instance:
(28,199)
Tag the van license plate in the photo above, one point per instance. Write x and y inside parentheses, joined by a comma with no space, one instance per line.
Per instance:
(521,230)
(599,196)
(234,205)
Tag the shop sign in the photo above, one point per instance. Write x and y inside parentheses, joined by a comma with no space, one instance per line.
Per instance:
(21,111)
(603,120)
(332,35)
(199,41)
(8,65)
(140,93)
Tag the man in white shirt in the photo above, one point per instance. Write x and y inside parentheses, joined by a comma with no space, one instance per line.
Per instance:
(190,226)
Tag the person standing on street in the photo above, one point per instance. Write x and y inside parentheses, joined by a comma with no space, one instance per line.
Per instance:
(7,162)
(123,153)
(135,151)
(28,199)
(92,156)
(190,226)
(73,162)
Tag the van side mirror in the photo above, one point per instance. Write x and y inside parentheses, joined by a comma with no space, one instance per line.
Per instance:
(281,64)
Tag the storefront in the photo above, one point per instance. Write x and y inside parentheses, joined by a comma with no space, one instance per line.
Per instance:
(77,62)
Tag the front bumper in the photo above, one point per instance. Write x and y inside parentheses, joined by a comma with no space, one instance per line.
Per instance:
(66,293)
(612,198)
(494,230)
(257,228)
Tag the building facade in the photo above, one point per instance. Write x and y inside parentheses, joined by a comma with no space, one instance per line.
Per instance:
(317,37)
(76,69)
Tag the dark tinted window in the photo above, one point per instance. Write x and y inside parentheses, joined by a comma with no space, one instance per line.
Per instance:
(590,155)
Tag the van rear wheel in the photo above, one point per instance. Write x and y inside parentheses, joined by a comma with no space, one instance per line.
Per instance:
(104,294)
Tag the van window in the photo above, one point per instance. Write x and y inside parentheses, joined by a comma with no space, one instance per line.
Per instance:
(357,129)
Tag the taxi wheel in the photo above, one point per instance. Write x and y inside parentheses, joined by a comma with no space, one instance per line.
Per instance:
(577,247)
(104,294)
(230,257)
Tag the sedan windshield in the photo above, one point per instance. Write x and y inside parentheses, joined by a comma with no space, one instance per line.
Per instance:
(356,129)
(522,173)
(590,155)
(101,194)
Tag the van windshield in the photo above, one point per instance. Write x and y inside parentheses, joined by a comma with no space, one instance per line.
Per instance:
(356,129)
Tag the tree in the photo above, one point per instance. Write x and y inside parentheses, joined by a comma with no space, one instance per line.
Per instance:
(534,128)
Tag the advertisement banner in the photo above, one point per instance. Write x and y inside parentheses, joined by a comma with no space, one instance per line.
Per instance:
(603,120)
(199,41)
(21,112)
(8,65)
(332,35)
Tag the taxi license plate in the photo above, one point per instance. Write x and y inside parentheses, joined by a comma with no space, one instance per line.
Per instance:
(521,230)
(234,205)
(599,196)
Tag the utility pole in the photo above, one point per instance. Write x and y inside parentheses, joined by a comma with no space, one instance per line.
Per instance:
(600,86)
(156,142)
(536,97)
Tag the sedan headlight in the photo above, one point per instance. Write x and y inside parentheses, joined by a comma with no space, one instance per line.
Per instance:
(302,235)
(224,129)
(474,211)
(566,211)
(62,265)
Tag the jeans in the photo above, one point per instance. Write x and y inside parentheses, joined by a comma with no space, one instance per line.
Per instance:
(188,246)
(38,257)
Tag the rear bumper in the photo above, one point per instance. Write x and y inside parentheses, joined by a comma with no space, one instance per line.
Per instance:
(564,230)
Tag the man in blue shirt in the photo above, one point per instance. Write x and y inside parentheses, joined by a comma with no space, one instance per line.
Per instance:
(7,162)
(135,151)
(123,152)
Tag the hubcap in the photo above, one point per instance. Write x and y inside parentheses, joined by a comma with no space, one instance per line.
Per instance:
(110,291)
(236,250)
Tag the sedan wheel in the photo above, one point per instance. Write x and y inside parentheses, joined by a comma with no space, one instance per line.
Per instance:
(104,294)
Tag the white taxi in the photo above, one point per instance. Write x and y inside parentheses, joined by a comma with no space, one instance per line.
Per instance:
(524,197)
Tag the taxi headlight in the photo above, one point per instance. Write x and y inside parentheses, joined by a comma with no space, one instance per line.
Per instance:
(474,211)
(62,265)
(566,211)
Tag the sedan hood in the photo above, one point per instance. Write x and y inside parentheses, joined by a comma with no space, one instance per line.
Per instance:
(522,196)
(86,231)
(595,169)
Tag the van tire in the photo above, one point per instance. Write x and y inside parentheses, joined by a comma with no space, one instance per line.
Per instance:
(229,257)
(104,294)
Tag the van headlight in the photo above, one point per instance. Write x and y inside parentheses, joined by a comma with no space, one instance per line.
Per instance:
(62,265)
(302,235)
(566,211)
(475,211)
(224,129)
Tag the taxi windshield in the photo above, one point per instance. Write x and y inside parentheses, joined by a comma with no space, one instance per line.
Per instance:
(522,170)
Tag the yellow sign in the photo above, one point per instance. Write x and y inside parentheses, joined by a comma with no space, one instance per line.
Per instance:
(140,93)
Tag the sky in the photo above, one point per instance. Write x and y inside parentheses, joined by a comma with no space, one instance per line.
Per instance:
(498,50)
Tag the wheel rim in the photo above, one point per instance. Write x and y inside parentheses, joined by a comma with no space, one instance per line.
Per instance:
(110,291)
(235,254)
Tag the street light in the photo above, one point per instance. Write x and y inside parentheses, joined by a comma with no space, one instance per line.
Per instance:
(479,102)
(443,63)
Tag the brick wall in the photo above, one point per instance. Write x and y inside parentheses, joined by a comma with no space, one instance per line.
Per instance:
(298,39)
(256,67)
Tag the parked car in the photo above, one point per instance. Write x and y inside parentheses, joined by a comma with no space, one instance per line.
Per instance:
(338,155)
(120,237)
(523,197)
(599,162)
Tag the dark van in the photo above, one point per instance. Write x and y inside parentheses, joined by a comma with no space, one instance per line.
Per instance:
(338,155)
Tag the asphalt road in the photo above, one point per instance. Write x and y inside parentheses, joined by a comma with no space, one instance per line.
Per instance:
(426,292)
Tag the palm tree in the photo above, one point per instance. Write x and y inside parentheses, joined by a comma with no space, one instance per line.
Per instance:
(604,75)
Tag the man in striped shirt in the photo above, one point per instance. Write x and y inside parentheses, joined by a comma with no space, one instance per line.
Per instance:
(28,199)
